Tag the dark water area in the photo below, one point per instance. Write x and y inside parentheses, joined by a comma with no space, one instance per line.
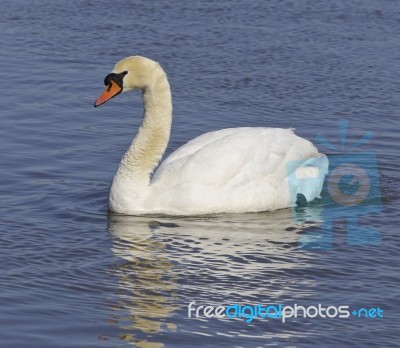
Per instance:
(73,275)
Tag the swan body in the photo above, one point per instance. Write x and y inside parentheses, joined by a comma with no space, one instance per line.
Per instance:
(232,170)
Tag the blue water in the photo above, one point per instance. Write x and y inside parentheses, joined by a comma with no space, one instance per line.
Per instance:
(73,275)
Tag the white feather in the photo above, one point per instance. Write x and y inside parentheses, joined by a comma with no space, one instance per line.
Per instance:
(232,170)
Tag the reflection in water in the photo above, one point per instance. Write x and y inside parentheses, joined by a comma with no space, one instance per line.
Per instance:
(146,280)
(171,261)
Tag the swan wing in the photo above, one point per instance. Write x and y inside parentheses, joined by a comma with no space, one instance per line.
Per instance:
(231,166)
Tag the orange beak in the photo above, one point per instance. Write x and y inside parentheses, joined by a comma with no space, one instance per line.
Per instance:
(110,92)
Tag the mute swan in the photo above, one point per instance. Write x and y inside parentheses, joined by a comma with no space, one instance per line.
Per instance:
(232,170)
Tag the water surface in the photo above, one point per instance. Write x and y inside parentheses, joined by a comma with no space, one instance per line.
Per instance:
(74,276)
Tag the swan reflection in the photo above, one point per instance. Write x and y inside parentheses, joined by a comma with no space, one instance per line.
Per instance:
(146,279)
(168,262)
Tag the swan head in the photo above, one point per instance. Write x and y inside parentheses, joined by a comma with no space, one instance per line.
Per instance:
(128,74)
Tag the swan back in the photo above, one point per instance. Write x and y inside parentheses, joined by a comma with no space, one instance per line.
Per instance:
(236,170)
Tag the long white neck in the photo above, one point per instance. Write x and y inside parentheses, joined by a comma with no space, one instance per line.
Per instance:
(148,146)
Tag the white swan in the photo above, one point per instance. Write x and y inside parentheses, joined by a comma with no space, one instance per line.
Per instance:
(233,170)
